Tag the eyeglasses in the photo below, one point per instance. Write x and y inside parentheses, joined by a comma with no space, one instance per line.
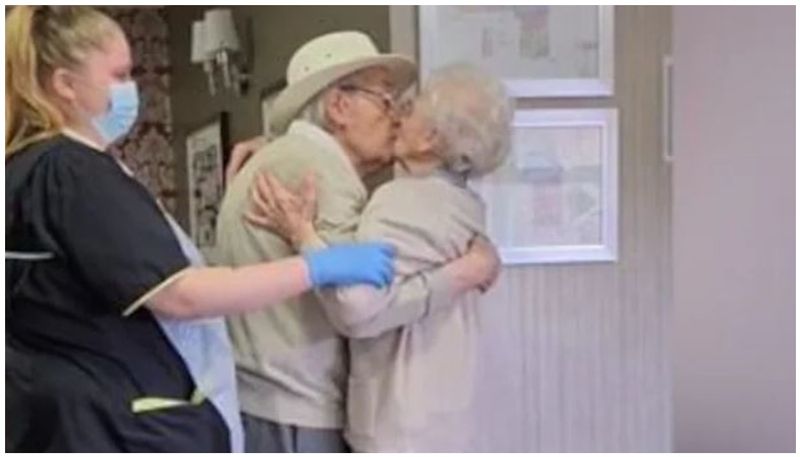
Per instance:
(387,101)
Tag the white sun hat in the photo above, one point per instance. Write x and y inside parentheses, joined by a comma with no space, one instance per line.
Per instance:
(327,58)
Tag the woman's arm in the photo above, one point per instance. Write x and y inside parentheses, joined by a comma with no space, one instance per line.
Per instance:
(214,291)
(130,257)
(365,312)
(240,154)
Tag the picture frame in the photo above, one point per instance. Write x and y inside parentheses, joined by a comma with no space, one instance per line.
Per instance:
(556,197)
(206,156)
(538,51)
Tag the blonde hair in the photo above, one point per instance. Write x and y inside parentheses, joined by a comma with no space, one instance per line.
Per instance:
(40,39)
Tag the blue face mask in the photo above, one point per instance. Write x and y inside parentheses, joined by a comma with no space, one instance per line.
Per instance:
(121,114)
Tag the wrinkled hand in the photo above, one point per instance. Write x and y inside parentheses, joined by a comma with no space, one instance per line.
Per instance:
(485,262)
(350,264)
(276,208)
(240,154)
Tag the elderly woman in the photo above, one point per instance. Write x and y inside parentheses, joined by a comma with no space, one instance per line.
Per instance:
(412,365)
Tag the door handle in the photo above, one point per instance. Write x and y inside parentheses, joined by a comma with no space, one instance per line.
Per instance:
(667,152)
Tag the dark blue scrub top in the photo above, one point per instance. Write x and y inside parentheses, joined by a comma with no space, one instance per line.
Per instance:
(74,364)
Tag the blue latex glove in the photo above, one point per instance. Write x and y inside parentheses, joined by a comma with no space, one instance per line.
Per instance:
(349,264)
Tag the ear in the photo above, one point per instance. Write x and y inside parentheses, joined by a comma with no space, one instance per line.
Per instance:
(62,83)
(337,108)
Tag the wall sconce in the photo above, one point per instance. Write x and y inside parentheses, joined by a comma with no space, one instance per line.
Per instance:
(201,55)
(215,44)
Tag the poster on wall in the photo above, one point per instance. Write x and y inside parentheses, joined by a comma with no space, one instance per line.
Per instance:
(538,51)
(555,199)
(205,149)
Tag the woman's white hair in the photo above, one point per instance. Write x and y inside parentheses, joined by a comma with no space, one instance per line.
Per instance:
(472,113)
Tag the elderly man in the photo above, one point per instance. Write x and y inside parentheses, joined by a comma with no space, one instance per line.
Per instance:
(291,362)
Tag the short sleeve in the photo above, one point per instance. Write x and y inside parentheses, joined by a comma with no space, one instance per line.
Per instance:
(110,229)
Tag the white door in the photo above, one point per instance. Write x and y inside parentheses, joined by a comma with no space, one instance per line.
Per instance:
(733,227)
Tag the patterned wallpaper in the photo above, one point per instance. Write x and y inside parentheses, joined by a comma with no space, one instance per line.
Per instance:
(146,150)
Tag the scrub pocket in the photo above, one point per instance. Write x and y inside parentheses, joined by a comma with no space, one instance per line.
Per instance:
(175,425)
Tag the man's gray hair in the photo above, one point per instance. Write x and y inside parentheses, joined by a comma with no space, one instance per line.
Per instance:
(472,112)
(314,110)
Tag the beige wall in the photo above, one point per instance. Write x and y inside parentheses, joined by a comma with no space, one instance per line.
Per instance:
(273,33)
(574,357)
(734,225)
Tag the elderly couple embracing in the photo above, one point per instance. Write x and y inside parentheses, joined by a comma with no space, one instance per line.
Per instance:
(364,368)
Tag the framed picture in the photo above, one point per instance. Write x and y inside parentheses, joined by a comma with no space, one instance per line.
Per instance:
(205,151)
(555,200)
(539,51)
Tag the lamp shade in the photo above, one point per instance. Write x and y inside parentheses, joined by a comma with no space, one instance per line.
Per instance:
(220,31)
(200,52)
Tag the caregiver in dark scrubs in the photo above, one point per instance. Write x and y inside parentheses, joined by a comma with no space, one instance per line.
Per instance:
(114,340)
